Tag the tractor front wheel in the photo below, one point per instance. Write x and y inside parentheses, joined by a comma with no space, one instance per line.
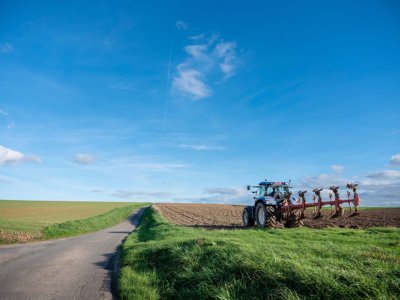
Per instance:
(260,215)
(248,220)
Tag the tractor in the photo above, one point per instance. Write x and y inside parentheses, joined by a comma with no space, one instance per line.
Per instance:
(274,206)
(267,211)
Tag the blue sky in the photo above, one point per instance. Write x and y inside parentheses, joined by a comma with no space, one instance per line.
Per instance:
(190,101)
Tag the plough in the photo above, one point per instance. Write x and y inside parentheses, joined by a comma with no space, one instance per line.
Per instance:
(275,207)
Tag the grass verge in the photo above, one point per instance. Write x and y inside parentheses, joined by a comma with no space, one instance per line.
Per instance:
(72,228)
(164,261)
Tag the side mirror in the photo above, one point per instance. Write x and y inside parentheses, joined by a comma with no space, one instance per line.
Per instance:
(248,188)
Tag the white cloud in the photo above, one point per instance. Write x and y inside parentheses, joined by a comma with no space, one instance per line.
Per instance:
(234,195)
(6,48)
(181,25)
(3,112)
(84,159)
(197,37)
(227,52)
(395,160)
(10,157)
(191,82)
(385,177)
(323,180)
(223,191)
(208,60)
(129,194)
(200,147)
(378,188)
(337,168)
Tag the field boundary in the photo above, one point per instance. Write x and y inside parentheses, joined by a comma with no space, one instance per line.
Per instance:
(82,226)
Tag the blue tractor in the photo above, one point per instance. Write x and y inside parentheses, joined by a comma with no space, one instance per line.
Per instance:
(271,201)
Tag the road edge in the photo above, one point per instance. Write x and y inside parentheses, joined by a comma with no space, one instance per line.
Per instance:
(115,260)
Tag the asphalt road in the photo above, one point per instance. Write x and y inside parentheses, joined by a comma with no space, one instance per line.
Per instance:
(72,268)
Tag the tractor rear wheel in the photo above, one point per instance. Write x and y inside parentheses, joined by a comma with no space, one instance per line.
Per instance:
(295,219)
(266,216)
(248,220)
(271,220)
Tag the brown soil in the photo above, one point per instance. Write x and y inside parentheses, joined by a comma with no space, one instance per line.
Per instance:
(230,216)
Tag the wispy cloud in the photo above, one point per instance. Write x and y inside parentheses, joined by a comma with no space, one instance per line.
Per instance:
(6,179)
(157,166)
(200,147)
(209,60)
(337,168)
(129,194)
(6,48)
(231,195)
(10,157)
(395,160)
(6,116)
(11,125)
(226,51)
(224,191)
(181,25)
(84,159)
(385,177)
(118,84)
(191,82)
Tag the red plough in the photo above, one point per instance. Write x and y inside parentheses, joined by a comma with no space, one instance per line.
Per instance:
(318,203)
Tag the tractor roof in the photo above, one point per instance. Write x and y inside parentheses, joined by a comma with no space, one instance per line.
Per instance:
(276,183)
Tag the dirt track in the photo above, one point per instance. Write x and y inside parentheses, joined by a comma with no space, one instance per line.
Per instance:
(230,216)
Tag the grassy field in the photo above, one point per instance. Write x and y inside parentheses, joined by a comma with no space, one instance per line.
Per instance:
(28,220)
(164,261)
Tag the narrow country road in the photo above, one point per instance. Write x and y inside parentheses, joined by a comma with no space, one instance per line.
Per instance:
(72,268)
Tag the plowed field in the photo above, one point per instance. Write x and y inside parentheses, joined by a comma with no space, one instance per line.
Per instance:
(230,216)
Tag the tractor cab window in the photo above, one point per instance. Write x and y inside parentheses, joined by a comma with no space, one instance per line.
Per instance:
(270,191)
(261,191)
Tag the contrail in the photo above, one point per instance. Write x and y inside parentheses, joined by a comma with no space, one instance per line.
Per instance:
(167,87)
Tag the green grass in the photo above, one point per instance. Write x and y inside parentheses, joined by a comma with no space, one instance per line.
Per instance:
(32,220)
(95,223)
(164,261)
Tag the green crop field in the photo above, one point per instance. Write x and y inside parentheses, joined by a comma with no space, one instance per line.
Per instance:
(164,261)
(28,220)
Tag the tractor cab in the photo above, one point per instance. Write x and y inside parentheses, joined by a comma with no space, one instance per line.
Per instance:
(269,191)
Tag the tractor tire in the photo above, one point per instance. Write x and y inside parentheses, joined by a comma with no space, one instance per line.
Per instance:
(248,220)
(266,216)
(294,219)
(260,215)
(271,220)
